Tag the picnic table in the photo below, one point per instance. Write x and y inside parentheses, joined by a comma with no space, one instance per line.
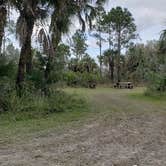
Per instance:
(126,85)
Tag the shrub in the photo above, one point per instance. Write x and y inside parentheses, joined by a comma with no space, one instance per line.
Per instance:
(157,84)
(71,78)
(60,101)
(80,79)
(32,105)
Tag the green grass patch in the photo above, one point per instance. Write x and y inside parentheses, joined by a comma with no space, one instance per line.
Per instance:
(11,130)
(143,97)
(41,114)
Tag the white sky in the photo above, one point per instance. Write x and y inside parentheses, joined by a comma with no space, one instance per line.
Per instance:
(150,18)
(149,15)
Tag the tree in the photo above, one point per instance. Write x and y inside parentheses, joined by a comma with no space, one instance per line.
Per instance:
(60,63)
(63,54)
(88,64)
(163,41)
(25,26)
(63,12)
(109,56)
(162,47)
(29,13)
(136,63)
(8,63)
(12,53)
(61,20)
(3,16)
(98,27)
(79,45)
(123,29)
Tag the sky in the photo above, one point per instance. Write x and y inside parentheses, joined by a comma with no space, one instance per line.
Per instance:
(149,15)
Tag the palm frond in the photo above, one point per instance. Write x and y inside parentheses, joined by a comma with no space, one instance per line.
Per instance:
(44,40)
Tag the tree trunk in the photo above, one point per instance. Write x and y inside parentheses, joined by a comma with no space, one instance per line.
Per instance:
(111,68)
(3,16)
(52,53)
(30,25)
(54,41)
(100,47)
(21,69)
(118,57)
(25,61)
(111,58)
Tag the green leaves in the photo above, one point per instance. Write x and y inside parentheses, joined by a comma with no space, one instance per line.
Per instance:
(78,44)
(120,21)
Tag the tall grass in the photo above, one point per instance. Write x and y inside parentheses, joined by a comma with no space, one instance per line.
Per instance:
(31,105)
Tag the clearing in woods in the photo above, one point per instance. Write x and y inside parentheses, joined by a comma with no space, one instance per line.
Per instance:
(121,128)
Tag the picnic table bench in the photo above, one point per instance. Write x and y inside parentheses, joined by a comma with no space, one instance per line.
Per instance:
(126,85)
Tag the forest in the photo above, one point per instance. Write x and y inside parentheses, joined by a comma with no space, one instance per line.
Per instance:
(52,88)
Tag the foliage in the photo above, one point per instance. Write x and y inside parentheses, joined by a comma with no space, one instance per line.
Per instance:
(38,73)
(78,44)
(7,68)
(77,79)
(81,72)
(71,78)
(34,105)
(157,84)
(3,16)
(98,28)
(120,23)
(157,76)
(109,62)
(163,42)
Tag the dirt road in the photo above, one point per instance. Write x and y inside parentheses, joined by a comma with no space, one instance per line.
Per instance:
(121,131)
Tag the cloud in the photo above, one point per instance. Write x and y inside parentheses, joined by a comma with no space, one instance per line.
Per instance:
(150,18)
(147,13)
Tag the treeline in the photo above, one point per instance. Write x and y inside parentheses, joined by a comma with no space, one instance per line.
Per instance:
(33,13)
(31,73)
(28,80)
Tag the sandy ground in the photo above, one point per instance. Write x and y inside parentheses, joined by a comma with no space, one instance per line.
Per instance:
(130,136)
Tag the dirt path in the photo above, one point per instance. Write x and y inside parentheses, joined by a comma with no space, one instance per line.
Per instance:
(123,132)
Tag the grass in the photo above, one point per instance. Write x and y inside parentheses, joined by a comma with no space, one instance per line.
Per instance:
(139,95)
(21,125)
(12,130)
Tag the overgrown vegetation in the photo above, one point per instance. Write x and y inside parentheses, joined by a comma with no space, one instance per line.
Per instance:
(31,78)
(33,102)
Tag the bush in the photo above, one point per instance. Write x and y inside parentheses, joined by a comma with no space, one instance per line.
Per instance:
(60,101)
(33,105)
(71,78)
(157,84)
(80,79)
